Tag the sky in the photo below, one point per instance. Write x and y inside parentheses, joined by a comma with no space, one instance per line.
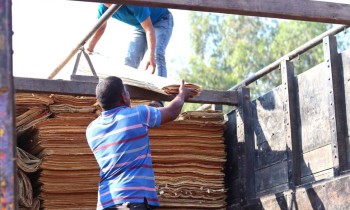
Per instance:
(45,32)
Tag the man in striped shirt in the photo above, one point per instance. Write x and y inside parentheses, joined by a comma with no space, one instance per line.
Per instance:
(119,141)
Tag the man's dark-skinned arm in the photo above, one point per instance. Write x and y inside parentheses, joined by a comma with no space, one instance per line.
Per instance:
(173,109)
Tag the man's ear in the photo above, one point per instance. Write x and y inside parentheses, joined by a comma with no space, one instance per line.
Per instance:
(125,99)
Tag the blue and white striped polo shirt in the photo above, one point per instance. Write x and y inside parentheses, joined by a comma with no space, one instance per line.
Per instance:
(119,140)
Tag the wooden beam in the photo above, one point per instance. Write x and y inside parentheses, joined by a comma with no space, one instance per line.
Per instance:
(291,116)
(327,194)
(308,10)
(338,107)
(88,88)
(246,147)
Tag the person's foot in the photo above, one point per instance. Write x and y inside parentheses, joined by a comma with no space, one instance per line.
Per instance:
(156,104)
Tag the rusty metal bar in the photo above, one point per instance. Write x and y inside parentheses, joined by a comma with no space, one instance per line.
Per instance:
(111,10)
(8,195)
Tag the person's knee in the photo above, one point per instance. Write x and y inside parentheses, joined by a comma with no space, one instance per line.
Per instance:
(131,62)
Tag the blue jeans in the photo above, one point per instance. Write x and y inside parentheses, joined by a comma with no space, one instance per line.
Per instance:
(138,45)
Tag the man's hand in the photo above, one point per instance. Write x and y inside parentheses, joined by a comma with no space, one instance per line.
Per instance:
(173,109)
(90,50)
(151,63)
(186,92)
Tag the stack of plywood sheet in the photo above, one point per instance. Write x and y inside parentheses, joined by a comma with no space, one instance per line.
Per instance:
(188,158)
(188,155)
(69,173)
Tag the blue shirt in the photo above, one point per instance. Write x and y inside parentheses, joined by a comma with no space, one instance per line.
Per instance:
(120,143)
(135,15)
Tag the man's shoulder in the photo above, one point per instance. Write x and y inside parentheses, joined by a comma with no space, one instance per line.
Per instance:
(92,123)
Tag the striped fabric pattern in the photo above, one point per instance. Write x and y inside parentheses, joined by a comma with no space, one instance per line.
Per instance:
(119,140)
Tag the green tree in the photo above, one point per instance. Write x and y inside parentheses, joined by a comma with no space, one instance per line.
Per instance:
(230,48)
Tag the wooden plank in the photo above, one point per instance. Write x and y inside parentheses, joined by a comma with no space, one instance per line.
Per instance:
(346,70)
(245,139)
(291,116)
(231,165)
(269,128)
(316,161)
(315,97)
(271,176)
(309,10)
(273,190)
(8,167)
(332,63)
(327,174)
(332,194)
(328,194)
(88,88)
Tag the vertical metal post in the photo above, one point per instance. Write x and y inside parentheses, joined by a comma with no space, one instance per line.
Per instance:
(291,123)
(7,123)
(337,106)
(246,148)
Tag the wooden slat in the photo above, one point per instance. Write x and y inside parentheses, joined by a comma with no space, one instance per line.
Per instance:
(316,161)
(291,116)
(328,194)
(346,71)
(271,176)
(269,128)
(231,168)
(310,10)
(88,88)
(246,152)
(332,64)
(314,101)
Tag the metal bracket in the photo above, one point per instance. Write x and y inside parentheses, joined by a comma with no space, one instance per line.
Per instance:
(84,78)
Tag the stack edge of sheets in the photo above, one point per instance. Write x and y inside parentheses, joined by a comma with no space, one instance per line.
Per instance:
(27,164)
(188,154)
(188,158)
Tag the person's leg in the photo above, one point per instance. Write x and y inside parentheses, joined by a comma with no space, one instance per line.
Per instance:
(136,50)
(163,30)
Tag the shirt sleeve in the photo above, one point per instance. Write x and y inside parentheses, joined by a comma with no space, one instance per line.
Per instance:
(150,116)
(101,10)
(140,13)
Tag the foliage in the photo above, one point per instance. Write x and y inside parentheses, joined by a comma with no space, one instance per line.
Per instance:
(229,48)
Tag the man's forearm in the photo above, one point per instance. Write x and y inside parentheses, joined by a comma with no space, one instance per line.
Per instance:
(173,109)
(177,103)
(151,41)
(97,36)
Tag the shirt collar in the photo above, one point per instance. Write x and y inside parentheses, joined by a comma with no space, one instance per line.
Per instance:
(112,111)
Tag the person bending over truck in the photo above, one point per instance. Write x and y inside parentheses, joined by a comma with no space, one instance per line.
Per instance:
(153,29)
(120,143)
